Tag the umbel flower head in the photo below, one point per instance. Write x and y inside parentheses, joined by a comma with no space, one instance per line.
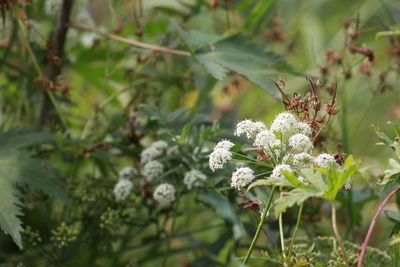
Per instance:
(127,173)
(267,140)
(220,155)
(324,160)
(249,128)
(302,160)
(122,189)
(152,170)
(153,151)
(224,144)
(242,177)
(285,123)
(194,178)
(164,194)
(300,143)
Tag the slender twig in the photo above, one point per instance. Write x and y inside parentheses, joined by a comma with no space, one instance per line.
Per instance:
(260,225)
(132,42)
(295,230)
(36,65)
(54,69)
(372,225)
(337,235)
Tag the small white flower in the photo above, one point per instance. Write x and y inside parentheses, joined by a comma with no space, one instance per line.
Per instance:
(284,123)
(149,154)
(276,172)
(122,189)
(218,158)
(324,160)
(152,170)
(300,143)
(260,126)
(348,183)
(249,128)
(242,177)
(127,173)
(160,145)
(193,178)
(164,194)
(267,140)
(303,128)
(302,160)
(225,144)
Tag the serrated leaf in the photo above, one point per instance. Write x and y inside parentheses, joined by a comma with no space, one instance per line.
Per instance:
(15,139)
(315,179)
(296,196)
(224,209)
(18,168)
(9,212)
(235,53)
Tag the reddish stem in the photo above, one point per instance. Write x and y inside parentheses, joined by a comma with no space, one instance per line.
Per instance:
(372,225)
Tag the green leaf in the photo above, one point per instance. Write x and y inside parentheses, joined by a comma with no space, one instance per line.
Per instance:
(265,182)
(385,140)
(224,209)
(296,196)
(392,215)
(15,139)
(291,177)
(257,12)
(337,177)
(315,179)
(18,168)
(9,211)
(234,53)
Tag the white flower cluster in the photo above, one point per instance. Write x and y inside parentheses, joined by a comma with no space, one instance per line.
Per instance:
(285,123)
(124,186)
(287,143)
(122,189)
(127,173)
(153,151)
(242,177)
(194,178)
(164,194)
(152,170)
(220,155)
(249,128)
(324,160)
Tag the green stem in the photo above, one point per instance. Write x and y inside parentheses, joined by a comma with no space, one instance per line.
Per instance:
(295,229)
(337,235)
(282,237)
(260,224)
(346,148)
(169,237)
